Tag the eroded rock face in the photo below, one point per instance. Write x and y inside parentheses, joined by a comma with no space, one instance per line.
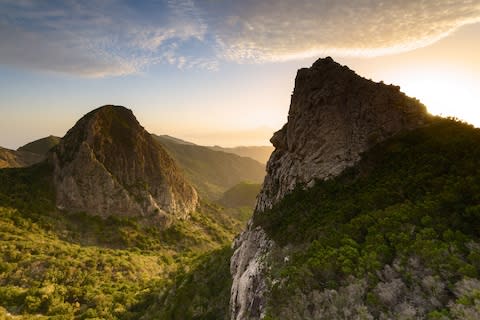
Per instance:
(247,266)
(108,164)
(334,116)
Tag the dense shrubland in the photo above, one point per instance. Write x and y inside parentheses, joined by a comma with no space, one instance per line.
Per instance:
(395,236)
(60,265)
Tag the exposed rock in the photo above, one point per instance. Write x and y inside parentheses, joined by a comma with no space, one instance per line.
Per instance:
(334,116)
(246,265)
(108,164)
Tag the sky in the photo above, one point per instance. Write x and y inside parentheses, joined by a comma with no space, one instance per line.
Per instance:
(221,72)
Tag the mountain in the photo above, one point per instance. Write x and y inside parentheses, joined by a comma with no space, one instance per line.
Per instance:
(259,153)
(108,164)
(396,236)
(212,172)
(335,116)
(104,254)
(41,146)
(15,159)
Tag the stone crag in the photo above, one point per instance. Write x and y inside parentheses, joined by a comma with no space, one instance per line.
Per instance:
(334,116)
(108,164)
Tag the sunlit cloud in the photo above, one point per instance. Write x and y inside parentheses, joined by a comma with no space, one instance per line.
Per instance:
(273,30)
(115,37)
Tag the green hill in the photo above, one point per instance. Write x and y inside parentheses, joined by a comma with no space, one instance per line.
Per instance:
(243,194)
(397,236)
(41,146)
(213,172)
(60,265)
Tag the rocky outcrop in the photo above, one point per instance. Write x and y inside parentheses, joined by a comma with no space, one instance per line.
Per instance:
(334,116)
(108,164)
(247,265)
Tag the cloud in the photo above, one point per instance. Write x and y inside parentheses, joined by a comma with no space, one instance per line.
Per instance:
(272,30)
(116,37)
(97,38)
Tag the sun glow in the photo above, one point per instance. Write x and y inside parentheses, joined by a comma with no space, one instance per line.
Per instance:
(453,93)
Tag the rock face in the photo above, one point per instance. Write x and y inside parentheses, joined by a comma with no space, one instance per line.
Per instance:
(334,116)
(108,164)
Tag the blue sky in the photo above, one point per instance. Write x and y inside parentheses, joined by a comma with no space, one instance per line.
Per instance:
(219,71)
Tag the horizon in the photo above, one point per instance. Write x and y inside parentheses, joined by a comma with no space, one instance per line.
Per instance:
(218,72)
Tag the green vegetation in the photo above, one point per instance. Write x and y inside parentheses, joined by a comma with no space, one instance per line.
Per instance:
(202,293)
(212,172)
(243,194)
(60,265)
(14,159)
(41,146)
(408,212)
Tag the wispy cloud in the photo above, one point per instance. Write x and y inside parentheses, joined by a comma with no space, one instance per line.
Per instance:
(115,37)
(97,38)
(272,30)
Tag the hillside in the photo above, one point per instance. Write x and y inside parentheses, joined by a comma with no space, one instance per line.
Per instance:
(259,153)
(64,263)
(165,137)
(27,155)
(213,172)
(397,236)
(243,194)
(41,146)
(15,159)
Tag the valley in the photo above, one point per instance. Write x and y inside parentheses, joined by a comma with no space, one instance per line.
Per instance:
(368,208)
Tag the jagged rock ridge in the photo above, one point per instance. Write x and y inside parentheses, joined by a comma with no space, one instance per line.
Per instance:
(108,164)
(334,116)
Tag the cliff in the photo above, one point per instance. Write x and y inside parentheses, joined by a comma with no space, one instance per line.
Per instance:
(334,116)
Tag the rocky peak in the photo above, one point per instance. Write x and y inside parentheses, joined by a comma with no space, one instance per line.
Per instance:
(334,116)
(108,164)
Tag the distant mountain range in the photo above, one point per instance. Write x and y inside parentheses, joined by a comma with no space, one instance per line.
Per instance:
(259,153)
(212,170)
